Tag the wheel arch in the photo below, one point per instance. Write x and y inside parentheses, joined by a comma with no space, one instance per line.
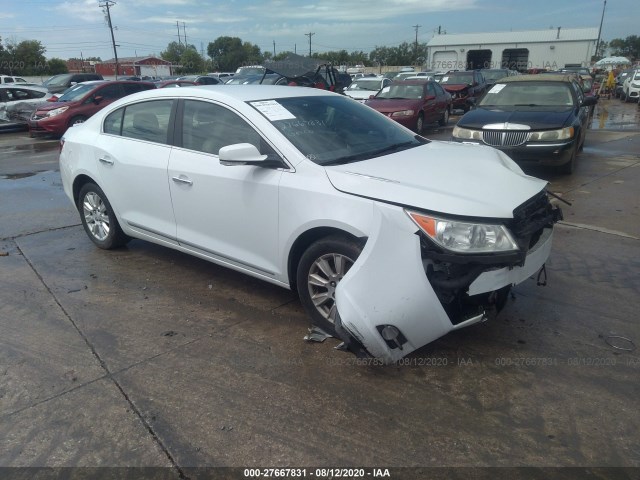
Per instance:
(79,182)
(303,242)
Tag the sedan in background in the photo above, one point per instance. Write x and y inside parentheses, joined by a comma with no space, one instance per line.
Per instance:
(79,103)
(174,84)
(465,88)
(17,104)
(202,79)
(413,103)
(390,240)
(535,119)
(365,87)
(631,87)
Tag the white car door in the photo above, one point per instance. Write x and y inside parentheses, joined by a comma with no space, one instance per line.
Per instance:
(132,157)
(226,213)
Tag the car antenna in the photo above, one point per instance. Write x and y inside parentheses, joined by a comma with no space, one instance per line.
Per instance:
(558,197)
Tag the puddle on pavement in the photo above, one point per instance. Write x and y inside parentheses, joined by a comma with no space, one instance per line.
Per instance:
(615,115)
(16,176)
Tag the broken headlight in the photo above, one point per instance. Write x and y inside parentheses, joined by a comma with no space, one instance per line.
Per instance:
(464,237)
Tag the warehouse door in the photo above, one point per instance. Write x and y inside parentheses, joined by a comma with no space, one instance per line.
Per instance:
(515,59)
(477,59)
(446,60)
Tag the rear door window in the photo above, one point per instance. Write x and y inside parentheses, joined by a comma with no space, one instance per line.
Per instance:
(148,121)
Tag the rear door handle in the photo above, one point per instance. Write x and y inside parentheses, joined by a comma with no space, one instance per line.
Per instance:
(105,160)
(182,179)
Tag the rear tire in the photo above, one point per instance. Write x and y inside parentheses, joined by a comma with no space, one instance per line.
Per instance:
(320,269)
(444,120)
(98,219)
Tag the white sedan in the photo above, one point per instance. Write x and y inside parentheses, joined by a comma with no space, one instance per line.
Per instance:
(390,240)
(363,88)
(18,102)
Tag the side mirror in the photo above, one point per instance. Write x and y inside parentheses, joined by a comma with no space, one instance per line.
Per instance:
(589,101)
(430,97)
(245,154)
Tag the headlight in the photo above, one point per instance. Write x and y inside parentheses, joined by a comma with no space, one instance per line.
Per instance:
(463,237)
(552,135)
(635,85)
(465,133)
(56,111)
(403,113)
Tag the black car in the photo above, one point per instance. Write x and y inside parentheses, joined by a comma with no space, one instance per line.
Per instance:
(201,79)
(535,119)
(59,83)
(492,75)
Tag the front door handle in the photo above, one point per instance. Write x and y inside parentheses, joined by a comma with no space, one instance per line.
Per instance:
(105,160)
(182,179)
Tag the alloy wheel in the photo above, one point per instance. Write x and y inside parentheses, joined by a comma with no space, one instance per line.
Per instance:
(324,276)
(96,216)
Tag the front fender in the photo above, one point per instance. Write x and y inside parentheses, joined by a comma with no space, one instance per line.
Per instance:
(387,285)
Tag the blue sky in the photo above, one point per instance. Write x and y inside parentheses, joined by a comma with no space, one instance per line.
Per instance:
(71,27)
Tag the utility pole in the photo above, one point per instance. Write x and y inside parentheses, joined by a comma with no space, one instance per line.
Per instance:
(184,27)
(310,34)
(600,29)
(274,48)
(415,53)
(179,37)
(107,4)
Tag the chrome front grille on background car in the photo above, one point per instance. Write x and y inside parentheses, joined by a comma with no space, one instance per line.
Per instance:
(511,138)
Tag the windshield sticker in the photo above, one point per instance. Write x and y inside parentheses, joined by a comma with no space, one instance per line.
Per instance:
(273,110)
(444,79)
(497,87)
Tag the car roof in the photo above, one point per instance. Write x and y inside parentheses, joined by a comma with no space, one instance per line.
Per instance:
(38,88)
(242,93)
(549,77)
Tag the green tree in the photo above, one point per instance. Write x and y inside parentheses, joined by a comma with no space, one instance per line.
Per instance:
(228,53)
(191,61)
(173,53)
(25,58)
(628,47)
(56,66)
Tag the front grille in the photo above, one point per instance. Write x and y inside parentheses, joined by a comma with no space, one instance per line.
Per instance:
(502,138)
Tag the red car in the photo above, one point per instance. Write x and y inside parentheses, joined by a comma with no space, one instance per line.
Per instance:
(413,103)
(466,88)
(79,103)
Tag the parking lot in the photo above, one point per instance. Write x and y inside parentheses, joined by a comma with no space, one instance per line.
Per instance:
(146,357)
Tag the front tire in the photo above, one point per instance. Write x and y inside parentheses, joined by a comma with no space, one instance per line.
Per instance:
(98,219)
(420,123)
(569,167)
(77,120)
(320,269)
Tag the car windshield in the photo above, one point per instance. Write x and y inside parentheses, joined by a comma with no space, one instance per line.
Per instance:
(401,91)
(76,92)
(362,84)
(465,78)
(58,80)
(492,75)
(334,130)
(529,94)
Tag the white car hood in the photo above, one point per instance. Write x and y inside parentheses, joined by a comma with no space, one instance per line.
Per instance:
(444,177)
(360,94)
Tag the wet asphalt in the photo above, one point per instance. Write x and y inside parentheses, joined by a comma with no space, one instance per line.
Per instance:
(146,357)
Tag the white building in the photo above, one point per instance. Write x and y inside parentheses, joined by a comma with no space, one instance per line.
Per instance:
(550,49)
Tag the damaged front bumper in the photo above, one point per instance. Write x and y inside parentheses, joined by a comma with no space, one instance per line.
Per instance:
(403,293)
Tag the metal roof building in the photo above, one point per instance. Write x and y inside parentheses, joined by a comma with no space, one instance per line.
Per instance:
(521,50)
